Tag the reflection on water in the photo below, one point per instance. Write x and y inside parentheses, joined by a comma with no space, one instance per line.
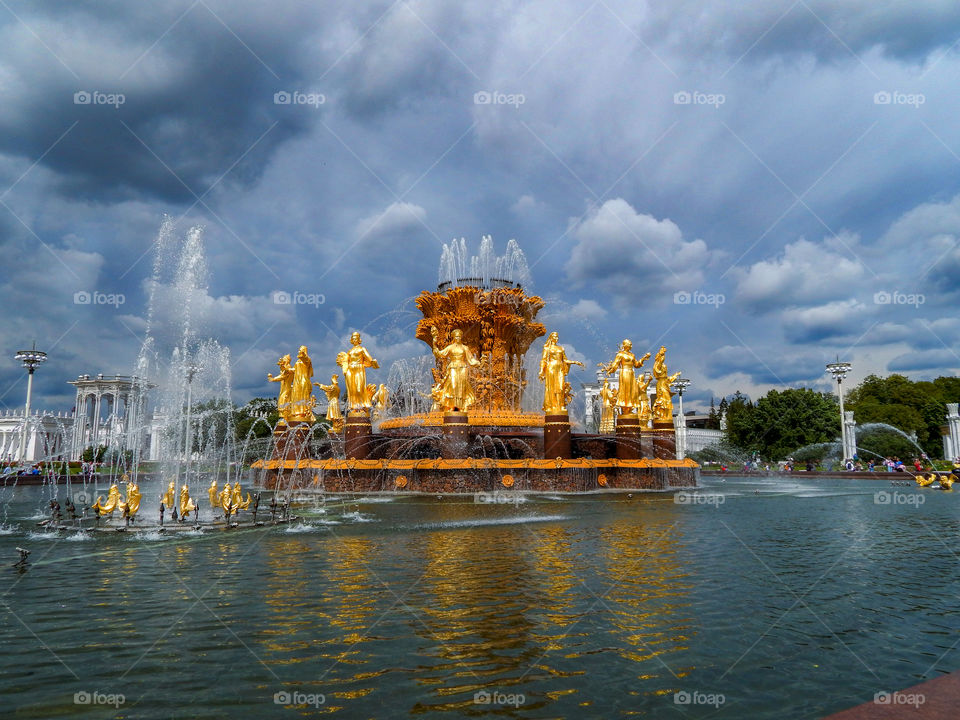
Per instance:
(790,602)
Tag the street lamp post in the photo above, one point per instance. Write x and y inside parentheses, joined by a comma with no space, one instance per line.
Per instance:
(31,359)
(839,371)
(679,385)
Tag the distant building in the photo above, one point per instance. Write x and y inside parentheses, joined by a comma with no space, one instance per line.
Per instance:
(48,435)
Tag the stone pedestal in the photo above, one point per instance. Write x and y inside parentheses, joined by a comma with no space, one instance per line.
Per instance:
(291,442)
(456,434)
(357,434)
(664,441)
(628,437)
(556,436)
(646,442)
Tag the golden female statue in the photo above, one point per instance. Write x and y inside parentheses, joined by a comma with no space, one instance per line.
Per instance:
(608,398)
(626,362)
(663,405)
(554,367)
(285,378)
(332,391)
(457,393)
(301,391)
(354,363)
(644,413)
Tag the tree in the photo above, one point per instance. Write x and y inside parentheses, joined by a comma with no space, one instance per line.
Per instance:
(913,407)
(713,419)
(782,421)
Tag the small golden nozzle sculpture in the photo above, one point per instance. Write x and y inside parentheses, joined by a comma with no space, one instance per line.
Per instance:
(187,505)
(554,367)
(626,362)
(111,504)
(354,363)
(231,501)
(168,497)
(455,392)
(663,404)
(130,505)
(212,494)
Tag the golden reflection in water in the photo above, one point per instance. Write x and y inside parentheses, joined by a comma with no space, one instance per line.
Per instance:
(341,606)
(645,591)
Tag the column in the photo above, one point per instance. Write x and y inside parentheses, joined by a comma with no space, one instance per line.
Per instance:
(849,435)
(96,421)
(953,425)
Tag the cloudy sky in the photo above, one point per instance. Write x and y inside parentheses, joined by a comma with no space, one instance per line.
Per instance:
(762,186)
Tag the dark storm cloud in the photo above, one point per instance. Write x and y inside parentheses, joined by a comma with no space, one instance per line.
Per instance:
(180,101)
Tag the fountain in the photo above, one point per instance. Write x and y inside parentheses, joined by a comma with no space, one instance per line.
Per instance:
(466,424)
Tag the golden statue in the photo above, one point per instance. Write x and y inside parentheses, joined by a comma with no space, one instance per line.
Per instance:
(168,497)
(380,399)
(187,505)
(554,367)
(112,502)
(130,506)
(354,363)
(301,391)
(332,391)
(457,393)
(608,414)
(225,499)
(285,378)
(236,500)
(212,494)
(663,405)
(626,362)
(644,413)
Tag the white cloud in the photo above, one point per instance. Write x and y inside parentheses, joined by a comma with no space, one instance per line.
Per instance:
(633,255)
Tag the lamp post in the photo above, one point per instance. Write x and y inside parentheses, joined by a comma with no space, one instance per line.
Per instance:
(839,371)
(191,370)
(31,359)
(678,386)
